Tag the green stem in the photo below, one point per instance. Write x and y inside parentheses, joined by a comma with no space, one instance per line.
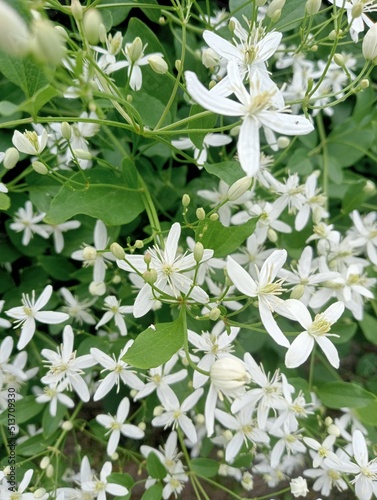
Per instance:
(311,369)
(326,166)
(185,343)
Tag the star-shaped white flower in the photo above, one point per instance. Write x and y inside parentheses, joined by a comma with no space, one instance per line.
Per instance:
(101,486)
(255,109)
(316,331)
(116,311)
(25,220)
(30,311)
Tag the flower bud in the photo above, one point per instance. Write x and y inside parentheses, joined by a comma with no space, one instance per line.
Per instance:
(299,487)
(232,26)
(77,10)
(135,49)
(210,58)
(212,84)
(200,213)
(158,64)
(228,434)
(62,32)
(333,430)
(213,217)
(186,200)
(276,16)
(39,167)
(147,258)
(158,410)
(162,20)
(369,187)
(178,64)
(48,45)
(50,470)
(67,425)
(364,84)
(275,7)
(139,244)
(116,279)
(297,292)
(198,251)
(357,10)
(82,154)
(339,59)
(150,276)
(97,288)
(14,33)
(89,253)
(40,493)
(91,25)
(312,7)
(102,33)
(229,375)
(369,46)
(142,426)
(44,462)
(238,188)
(66,130)
(328,421)
(117,251)
(114,456)
(11,158)
(283,142)
(214,314)
(271,235)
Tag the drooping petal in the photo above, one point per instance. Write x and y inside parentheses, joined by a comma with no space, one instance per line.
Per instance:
(248,146)
(329,350)
(270,324)
(299,350)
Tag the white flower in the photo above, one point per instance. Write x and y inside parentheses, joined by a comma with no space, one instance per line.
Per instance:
(254,108)
(116,311)
(29,142)
(366,233)
(200,155)
(19,494)
(299,488)
(30,311)
(4,323)
(77,310)
(117,426)
(314,202)
(101,486)
(57,231)
(265,289)
(55,395)
(356,24)
(323,449)
(26,221)
(315,331)
(65,365)
(325,479)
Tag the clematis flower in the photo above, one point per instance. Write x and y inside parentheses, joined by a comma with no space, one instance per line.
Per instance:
(315,331)
(30,311)
(200,155)
(30,142)
(101,486)
(254,107)
(25,220)
(57,231)
(116,311)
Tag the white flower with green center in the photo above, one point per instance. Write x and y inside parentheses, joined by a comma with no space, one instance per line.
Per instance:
(365,232)
(99,487)
(19,494)
(316,331)
(30,311)
(266,289)
(323,450)
(55,395)
(117,426)
(30,142)
(116,311)
(25,220)
(254,107)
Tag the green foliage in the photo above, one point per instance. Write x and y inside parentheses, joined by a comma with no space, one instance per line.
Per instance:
(205,467)
(345,395)
(155,467)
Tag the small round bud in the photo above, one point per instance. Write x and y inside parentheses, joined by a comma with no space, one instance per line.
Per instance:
(214,217)
(114,456)
(212,84)
(332,35)
(129,98)
(147,258)
(333,430)
(44,462)
(200,213)
(50,470)
(220,454)
(91,25)
(62,32)
(39,167)
(102,33)
(369,46)
(67,425)
(238,188)
(228,434)
(139,244)
(186,200)
(232,26)
(357,10)
(135,49)
(271,235)
(312,7)
(214,314)
(39,493)
(133,393)
(234,132)
(47,44)
(11,158)
(158,410)
(275,6)
(150,276)
(77,10)
(89,253)
(117,251)
(158,64)
(198,251)
(364,84)
(339,59)
(82,154)
(97,288)
(116,279)
(66,130)
(369,187)
(328,421)
(314,48)
(142,426)
(200,419)
(162,20)
(178,64)
(283,142)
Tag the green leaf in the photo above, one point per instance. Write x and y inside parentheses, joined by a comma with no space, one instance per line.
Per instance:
(205,467)
(368,414)
(123,479)
(348,144)
(150,108)
(4,201)
(57,267)
(299,162)
(368,326)
(344,394)
(241,8)
(39,99)
(227,171)
(25,409)
(224,240)
(204,122)
(153,493)
(345,330)
(24,73)
(155,346)
(118,14)
(155,467)
(107,196)
(36,445)
(49,423)
(354,196)
(291,16)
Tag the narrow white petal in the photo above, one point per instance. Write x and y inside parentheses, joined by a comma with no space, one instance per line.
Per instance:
(329,350)
(241,278)
(299,350)
(44,298)
(222,47)
(284,123)
(270,324)
(248,146)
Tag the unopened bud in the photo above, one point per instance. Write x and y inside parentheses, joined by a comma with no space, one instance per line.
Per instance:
(147,258)
(39,167)
(369,46)
(357,10)
(158,410)
(114,456)
(212,84)
(150,276)
(271,235)
(328,421)
(232,26)
(228,434)
(228,374)
(102,33)
(364,84)
(40,493)
(50,470)
(200,213)
(134,49)
(62,32)
(77,10)
(198,251)
(133,393)
(117,251)
(142,426)
(178,64)
(238,188)
(14,33)
(297,292)
(314,48)
(275,6)
(82,154)
(210,58)
(332,35)
(66,130)
(339,59)
(200,419)
(214,217)
(116,279)
(333,430)
(67,425)
(369,187)
(139,244)
(158,64)
(91,25)
(89,253)
(214,314)
(312,7)
(283,142)
(44,462)
(11,158)
(97,288)
(129,98)
(186,200)
(162,20)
